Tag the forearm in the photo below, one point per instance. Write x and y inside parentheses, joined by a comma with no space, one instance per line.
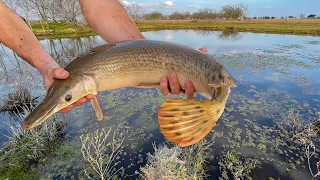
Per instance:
(16,35)
(110,20)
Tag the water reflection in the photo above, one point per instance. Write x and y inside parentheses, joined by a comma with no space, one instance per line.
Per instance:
(230,35)
(222,35)
(61,50)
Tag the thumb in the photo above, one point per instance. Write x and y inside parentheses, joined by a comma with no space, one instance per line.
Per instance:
(60,73)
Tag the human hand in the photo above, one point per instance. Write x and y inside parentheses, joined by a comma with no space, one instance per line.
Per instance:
(55,72)
(170,84)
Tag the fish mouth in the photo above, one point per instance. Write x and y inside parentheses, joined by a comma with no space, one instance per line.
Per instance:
(40,114)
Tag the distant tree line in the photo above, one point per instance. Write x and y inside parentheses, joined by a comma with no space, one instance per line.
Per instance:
(233,11)
(47,10)
(299,16)
(69,11)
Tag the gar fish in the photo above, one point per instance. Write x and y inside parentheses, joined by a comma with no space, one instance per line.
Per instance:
(141,63)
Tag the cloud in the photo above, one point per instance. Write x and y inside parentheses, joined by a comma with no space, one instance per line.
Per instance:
(168,3)
(144,5)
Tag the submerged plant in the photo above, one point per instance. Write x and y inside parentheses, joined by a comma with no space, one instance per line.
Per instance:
(238,166)
(295,130)
(101,152)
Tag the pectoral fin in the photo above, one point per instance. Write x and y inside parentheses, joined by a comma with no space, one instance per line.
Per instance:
(97,109)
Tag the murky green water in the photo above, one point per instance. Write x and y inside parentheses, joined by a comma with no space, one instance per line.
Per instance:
(275,74)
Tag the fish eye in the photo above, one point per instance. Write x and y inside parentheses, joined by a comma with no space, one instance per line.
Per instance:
(68,98)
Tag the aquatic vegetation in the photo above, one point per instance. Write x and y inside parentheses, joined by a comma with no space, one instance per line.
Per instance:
(237,166)
(271,80)
(19,101)
(24,149)
(295,130)
(101,152)
(173,162)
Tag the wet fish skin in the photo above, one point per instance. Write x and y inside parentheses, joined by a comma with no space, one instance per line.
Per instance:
(141,63)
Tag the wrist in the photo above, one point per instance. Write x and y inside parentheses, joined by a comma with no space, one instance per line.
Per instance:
(45,64)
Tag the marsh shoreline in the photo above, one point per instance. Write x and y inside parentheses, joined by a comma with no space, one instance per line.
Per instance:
(273,26)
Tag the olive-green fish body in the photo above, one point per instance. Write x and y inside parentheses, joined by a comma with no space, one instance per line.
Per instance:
(141,63)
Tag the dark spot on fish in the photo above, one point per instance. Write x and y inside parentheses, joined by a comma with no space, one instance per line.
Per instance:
(21,39)
(218,111)
(185,113)
(205,122)
(167,115)
(201,111)
(175,109)
(178,133)
(169,128)
(198,107)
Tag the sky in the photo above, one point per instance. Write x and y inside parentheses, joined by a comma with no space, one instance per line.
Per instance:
(256,8)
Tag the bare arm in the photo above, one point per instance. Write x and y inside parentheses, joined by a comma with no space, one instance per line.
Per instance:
(109,19)
(15,34)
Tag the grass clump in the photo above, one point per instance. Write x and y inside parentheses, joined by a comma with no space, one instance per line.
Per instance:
(176,162)
(23,149)
(101,152)
(19,101)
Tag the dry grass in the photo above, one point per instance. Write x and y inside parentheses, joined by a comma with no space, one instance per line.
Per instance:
(19,102)
(101,152)
(170,163)
(283,26)
(24,148)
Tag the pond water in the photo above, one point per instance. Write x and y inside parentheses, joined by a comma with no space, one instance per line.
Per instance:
(275,74)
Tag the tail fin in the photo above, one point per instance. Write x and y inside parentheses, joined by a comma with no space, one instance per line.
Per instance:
(186,122)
